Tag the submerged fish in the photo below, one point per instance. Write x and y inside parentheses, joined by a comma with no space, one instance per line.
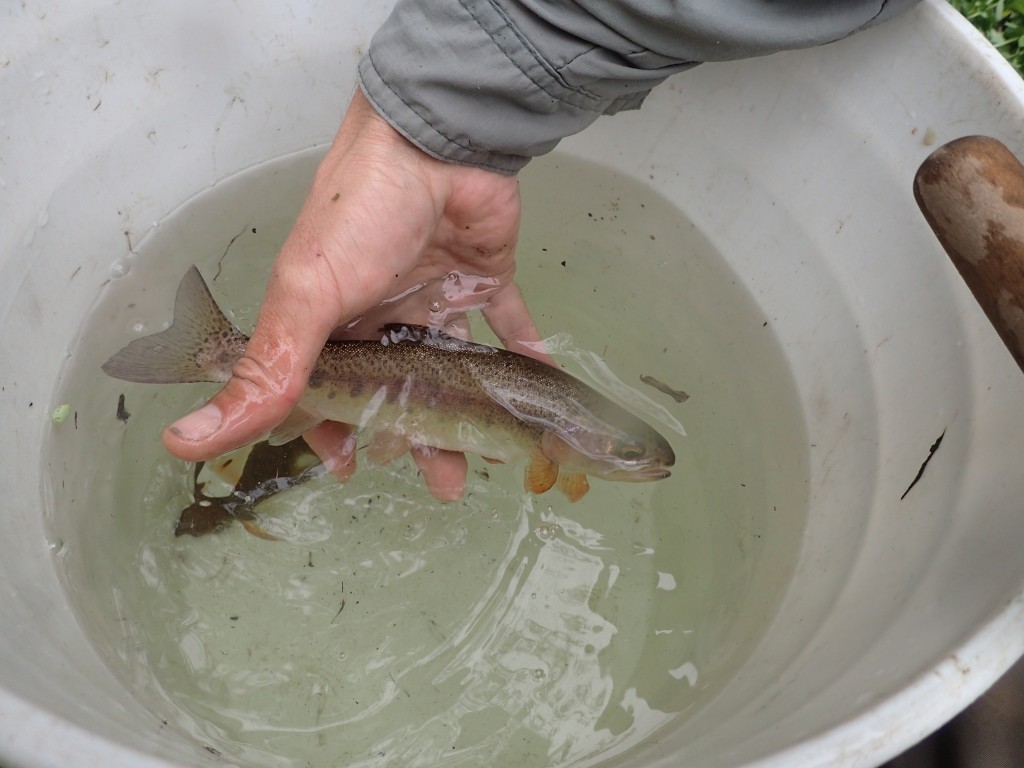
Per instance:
(265,471)
(417,385)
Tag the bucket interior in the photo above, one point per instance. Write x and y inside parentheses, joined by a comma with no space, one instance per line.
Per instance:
(749,237)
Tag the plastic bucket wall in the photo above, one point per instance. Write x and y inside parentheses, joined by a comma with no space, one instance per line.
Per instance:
(798,167)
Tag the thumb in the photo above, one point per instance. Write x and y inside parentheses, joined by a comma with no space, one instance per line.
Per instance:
(294,322)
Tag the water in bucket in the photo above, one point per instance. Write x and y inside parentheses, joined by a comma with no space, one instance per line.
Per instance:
(386,628)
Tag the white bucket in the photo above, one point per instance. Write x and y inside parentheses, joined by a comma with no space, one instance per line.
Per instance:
(798,170)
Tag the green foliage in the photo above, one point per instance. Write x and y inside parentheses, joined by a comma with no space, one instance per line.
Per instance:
(1002,22)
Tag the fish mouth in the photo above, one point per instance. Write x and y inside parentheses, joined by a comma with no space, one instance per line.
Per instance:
(645,475)
(655,474)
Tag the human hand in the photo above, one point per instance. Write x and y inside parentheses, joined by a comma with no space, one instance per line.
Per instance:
(381,220)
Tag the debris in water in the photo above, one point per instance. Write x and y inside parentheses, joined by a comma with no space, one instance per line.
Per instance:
(122,414)
(339,611)
(61,413)
(220,261)
(920,472)
(676,394)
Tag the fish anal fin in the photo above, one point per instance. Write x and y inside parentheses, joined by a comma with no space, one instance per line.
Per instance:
(297,422)
(229,467)
(574,485)
(541,472)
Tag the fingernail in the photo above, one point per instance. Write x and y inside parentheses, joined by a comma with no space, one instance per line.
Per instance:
(200,424)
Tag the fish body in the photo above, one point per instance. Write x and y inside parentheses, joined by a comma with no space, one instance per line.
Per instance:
(423,387)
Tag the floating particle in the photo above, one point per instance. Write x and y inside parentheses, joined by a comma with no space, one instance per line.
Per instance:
(122,414)
(676,394)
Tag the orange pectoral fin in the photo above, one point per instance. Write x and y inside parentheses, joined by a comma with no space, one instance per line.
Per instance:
(541,472)
(574,485)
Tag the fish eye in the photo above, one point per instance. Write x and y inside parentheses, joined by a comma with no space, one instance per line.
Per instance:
(631,451)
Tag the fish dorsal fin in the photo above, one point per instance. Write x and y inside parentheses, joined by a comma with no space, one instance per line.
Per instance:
(408,333)
(541,472)
(200,345)
(297,422)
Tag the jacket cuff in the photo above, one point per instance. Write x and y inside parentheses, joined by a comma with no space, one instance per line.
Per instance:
(458,81)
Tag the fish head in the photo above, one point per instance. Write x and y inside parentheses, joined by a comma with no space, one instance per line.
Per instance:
(581,430)
(635,456)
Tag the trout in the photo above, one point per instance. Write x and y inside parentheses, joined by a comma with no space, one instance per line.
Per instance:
(418,385)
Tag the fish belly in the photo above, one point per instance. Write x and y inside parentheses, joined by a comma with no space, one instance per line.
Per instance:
(490,431)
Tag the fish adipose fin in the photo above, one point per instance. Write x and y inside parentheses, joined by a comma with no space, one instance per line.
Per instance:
(541,472)
(200,345)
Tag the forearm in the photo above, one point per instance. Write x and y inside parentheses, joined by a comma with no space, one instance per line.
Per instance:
(493,83)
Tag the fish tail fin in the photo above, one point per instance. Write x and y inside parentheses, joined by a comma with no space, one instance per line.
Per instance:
(201,344)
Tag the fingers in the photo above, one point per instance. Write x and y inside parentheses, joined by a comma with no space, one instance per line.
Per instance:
(335,444)
(510,320)
(443,471)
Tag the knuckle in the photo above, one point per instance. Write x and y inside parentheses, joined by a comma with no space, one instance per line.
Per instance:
(258,383)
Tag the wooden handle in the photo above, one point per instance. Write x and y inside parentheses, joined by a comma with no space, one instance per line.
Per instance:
(971,191)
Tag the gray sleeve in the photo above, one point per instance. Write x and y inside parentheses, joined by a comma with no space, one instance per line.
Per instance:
(494,83)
